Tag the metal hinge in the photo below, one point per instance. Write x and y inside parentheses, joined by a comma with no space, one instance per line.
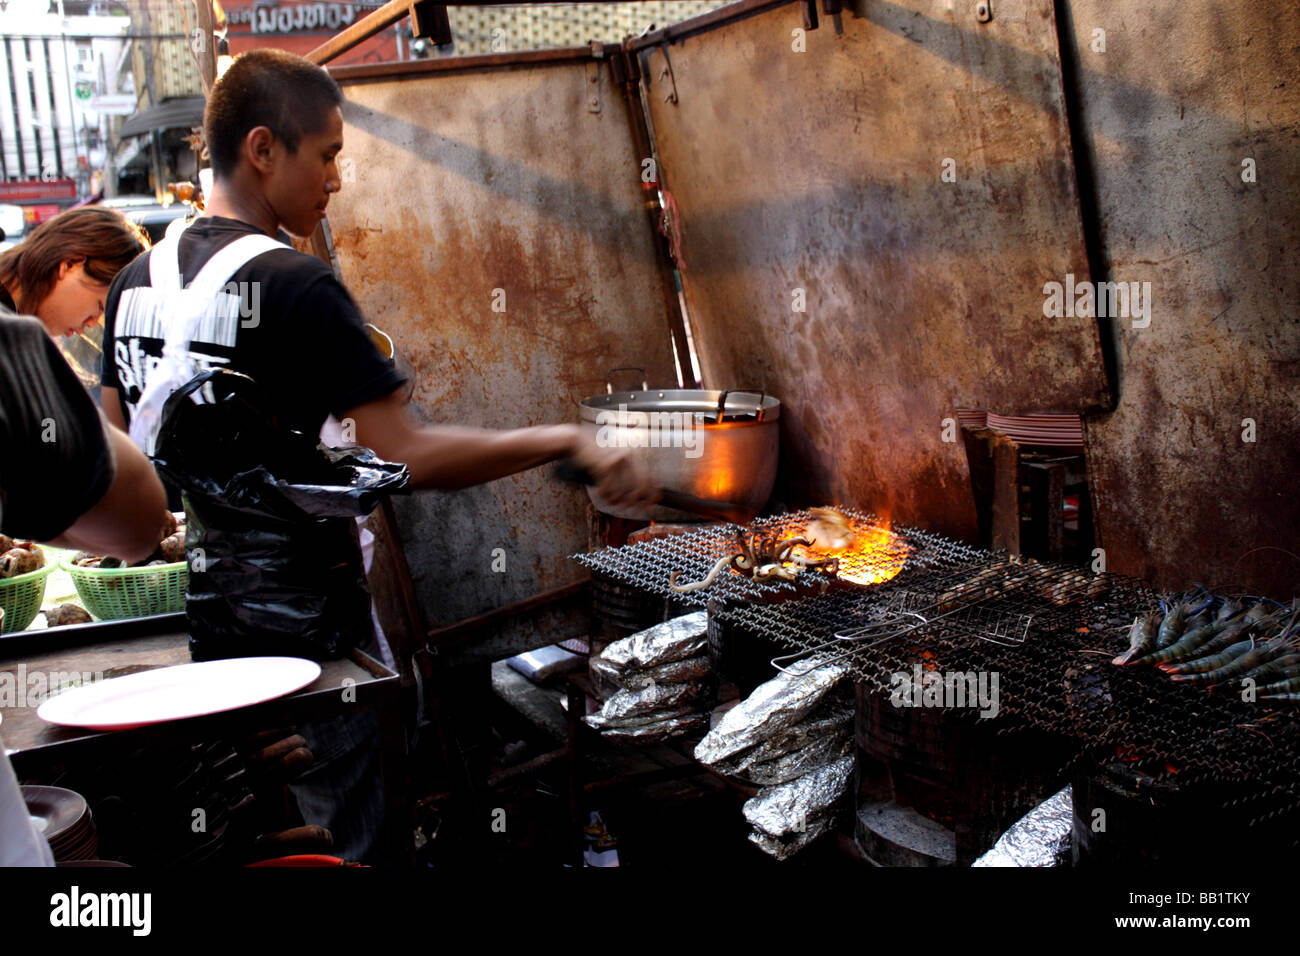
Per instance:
(667,74)
(984,11)
(593,86)
(593,76)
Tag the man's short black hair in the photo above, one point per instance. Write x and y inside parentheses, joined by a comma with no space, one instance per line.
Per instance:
(281,91)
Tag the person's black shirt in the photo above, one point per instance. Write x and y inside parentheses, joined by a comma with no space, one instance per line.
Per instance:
(299,335)
(55,460)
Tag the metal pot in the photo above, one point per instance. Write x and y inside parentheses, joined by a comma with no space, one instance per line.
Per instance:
(716,445)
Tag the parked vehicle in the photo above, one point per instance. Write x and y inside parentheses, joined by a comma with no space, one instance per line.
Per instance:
(149,214)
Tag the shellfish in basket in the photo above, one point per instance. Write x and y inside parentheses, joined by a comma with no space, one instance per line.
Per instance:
(170,549)
(20,558)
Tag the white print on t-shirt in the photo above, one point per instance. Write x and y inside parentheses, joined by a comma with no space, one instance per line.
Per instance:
(140,318)
(138,315)
(134,365)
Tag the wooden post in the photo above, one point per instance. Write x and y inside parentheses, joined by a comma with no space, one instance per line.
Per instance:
(1006,494)
(995,482)
(1045,480)
(208,50)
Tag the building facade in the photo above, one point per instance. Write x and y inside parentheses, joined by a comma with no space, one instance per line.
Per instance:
(60,99)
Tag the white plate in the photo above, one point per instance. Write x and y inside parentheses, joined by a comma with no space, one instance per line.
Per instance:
(173,693)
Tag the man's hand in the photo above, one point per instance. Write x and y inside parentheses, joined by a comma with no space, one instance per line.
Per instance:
(621,479)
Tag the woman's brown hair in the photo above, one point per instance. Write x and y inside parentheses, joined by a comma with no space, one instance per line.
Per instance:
(103,237)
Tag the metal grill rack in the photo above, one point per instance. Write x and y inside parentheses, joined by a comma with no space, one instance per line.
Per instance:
(1048,631)
(650,564)
(1054,675)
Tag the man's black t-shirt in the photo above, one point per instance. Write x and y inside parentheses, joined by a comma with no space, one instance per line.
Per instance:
(297,332)
(55,461)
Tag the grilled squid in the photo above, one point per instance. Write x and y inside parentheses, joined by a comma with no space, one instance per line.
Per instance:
(829,530)
(696,585)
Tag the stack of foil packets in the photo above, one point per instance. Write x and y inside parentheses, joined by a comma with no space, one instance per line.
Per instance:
(664,679)
(794,737)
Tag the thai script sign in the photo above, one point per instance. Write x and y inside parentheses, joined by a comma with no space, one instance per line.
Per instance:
(298,17)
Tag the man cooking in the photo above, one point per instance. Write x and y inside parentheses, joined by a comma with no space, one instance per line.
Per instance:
(273,130)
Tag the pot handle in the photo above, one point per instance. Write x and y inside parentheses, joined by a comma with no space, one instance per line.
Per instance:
(722,401)
(609,384)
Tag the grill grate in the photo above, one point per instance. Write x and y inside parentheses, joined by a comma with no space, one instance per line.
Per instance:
(1047,631)
(650,564)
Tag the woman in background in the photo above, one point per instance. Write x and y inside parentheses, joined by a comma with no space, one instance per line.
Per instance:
(60,273)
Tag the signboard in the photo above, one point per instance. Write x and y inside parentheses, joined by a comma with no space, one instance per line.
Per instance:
(37,214)
(33,190)
(121,104)
(272,18)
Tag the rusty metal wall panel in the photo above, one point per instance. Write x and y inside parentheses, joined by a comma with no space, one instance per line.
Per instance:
(822,171)
(1182,94)
(458,185)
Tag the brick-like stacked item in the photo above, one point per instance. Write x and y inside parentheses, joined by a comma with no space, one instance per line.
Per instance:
(794,737)
(664,679)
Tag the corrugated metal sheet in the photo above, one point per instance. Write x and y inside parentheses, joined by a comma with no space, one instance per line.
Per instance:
(822,171)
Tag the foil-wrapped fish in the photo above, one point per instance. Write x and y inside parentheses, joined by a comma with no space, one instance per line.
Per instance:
(660,730)
(641,721)
(645,700)
(788,846)
(787,807)
(813,754)
(1040,838)
(674,640)
(772,708)
(602,669)
(692,669)
(831,718)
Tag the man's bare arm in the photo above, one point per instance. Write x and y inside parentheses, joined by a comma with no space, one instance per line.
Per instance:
(112,407)
(128,521)
(449,457)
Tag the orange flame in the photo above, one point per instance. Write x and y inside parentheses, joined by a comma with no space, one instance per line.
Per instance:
(874,555)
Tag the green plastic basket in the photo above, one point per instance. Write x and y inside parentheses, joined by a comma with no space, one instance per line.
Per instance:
(21,597)
(111,594)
